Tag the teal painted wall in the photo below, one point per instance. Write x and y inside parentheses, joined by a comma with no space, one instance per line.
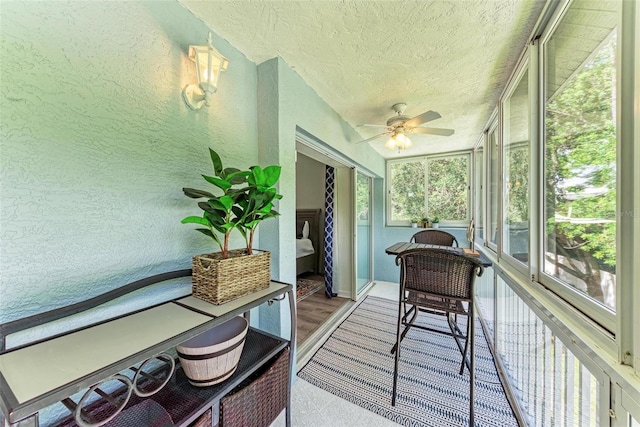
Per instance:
(286,102)
(96,144)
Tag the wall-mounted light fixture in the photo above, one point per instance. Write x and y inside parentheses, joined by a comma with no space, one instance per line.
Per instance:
(398,140)
(209,64)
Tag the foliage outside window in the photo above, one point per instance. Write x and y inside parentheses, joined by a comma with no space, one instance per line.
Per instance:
(516,166)
(407,190)
(362,197)
(580,154)
(429,187)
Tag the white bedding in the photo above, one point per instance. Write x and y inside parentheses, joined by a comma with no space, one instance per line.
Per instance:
(304,247)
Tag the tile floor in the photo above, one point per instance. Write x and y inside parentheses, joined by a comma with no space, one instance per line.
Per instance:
(312,406)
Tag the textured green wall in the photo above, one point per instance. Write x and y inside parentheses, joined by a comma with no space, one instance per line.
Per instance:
(96,144)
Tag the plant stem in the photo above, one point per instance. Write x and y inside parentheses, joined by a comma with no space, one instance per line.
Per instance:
(250,245)
(225,249)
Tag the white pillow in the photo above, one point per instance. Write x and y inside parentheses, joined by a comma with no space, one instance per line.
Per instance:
(305,230)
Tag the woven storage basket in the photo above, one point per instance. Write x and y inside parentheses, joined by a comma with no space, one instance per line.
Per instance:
(204,420)
(259,402)
(218,280)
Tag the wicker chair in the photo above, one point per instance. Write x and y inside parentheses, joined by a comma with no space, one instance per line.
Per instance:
(435,237)
(440,282)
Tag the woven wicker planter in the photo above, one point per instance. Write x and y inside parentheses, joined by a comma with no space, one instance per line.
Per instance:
(213,356)
(218,280)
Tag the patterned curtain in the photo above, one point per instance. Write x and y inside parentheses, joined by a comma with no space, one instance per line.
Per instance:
(329,198)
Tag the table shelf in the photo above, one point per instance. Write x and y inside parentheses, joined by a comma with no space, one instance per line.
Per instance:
(259,349)
(35,376)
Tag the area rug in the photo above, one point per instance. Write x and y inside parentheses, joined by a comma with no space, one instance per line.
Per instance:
(355,364)
(306,287)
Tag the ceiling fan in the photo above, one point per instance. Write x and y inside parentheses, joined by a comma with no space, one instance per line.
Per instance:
(399,125)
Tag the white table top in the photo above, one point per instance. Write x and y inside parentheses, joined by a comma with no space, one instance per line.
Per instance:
(33,371)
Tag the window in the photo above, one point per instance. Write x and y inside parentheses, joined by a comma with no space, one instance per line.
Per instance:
(434,186)
(407,190)
(448,188)
(515,216)
(492,146)
(479,173)
(580,152)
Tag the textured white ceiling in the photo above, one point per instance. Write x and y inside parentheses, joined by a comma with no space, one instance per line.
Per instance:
(361,57)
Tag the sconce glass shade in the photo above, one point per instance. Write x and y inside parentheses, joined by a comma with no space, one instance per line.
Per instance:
(209,64)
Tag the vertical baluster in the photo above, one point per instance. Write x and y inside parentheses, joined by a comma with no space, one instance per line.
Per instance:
(537,350)
(570,367)
(558,404)
(547,376)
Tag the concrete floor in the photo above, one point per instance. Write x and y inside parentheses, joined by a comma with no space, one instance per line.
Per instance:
(312,406)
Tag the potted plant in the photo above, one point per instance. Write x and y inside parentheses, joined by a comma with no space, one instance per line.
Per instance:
(424,222)
(244,199)
(414,223)
(435,222)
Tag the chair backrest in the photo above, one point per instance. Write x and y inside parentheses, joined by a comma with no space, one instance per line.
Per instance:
(439,272)
(435,237)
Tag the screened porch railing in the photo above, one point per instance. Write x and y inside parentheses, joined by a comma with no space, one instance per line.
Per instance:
(551,385)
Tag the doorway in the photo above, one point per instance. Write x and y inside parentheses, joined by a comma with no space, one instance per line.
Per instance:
(320,292)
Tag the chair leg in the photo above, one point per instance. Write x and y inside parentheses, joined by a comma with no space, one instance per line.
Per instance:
(466,345)
(472,369)
(403,320)
(396,347)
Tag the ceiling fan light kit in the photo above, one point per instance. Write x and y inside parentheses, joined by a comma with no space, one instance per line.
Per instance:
(398,140)
(398,125)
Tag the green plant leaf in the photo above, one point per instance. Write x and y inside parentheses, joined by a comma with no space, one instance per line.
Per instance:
(242,231)
(218,182)
(207,232)
(272,174)
(217,163)
(266,208)
(196,194)
(258,175)
(196,220)
(235,176)
(213,207)
(227,202)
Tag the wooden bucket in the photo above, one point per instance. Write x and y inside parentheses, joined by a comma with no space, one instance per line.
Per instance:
(213,356)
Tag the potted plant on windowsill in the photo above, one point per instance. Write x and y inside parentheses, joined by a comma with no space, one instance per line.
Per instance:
(245,200)
(435,222)
(424,222)
(414,223)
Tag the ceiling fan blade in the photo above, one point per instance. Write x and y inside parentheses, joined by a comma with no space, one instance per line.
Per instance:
(433,131)
(372,126)
(422,118)
(374,137)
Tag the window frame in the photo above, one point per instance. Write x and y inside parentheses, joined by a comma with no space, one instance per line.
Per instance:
(479,186)
(426,159)
(520,71)
(495,129)
(582,302)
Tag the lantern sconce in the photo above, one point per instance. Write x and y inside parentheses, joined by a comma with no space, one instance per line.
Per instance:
(209,64)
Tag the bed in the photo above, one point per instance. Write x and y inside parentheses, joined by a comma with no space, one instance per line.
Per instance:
(308,248)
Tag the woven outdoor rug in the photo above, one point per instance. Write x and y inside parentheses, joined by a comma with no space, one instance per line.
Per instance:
(355,364)
(306,287)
